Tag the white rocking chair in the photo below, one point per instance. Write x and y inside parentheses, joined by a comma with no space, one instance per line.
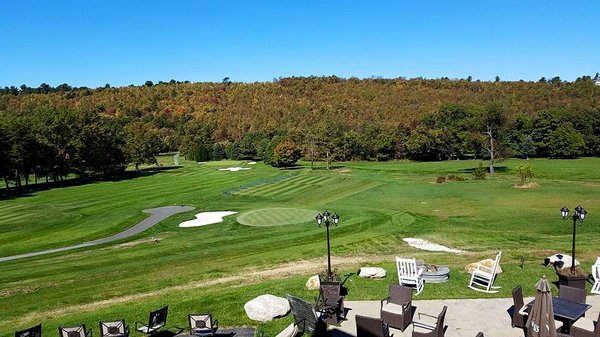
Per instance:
(409,274)
(596,275)
(482,278)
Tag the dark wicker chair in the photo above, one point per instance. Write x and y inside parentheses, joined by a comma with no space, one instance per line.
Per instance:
(331,302)
(306,319)
(518,319)
(156,320)
(114,328)
(585,327)
(371,327)
(74,331)
(479,334)
(396,309)
(572,294)
(203,325)
(34,331)
(436,329)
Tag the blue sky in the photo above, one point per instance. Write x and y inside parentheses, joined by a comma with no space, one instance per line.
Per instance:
(122,42)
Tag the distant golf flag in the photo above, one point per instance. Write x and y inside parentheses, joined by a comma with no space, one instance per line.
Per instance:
(541,317)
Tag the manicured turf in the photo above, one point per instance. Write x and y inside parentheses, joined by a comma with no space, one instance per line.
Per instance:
(276,216)
(217,268)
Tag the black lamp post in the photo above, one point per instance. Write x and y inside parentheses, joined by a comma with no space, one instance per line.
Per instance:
(323,219)
(578,215)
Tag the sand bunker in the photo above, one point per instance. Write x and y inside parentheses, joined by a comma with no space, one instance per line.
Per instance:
(234,169)
(427,245)
(251,163)
(206,218)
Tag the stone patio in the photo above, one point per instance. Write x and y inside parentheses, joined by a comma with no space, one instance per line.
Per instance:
(464,318)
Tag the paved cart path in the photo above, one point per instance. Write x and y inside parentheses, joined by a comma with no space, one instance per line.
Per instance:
(156,215)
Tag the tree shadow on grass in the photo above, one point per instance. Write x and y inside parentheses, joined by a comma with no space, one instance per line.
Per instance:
(29,190)
(497,169)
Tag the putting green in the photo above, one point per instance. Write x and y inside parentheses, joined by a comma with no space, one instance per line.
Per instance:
(276,216)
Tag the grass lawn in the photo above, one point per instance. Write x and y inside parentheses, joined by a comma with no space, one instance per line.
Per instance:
(273,244)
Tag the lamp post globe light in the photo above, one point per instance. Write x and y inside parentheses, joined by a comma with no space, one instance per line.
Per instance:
(578,215)
(324,219)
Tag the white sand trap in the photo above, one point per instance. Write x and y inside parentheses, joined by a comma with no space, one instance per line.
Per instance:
(427,245)
(206,218)
(251,163)
(234,169)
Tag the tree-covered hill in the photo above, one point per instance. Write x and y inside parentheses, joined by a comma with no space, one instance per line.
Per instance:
(326,117)
(235,108)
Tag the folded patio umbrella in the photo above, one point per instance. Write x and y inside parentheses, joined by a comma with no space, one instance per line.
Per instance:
(541,316)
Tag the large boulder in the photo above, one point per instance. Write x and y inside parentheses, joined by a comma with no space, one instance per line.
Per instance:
(560,261)
(487,262)
(371,272)
(265,308)
(313,283)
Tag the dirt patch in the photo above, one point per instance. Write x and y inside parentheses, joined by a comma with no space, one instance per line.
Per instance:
(136,242)
(526,185)
(245,277)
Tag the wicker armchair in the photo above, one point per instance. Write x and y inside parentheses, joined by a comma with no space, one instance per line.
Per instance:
(435,329)
(572,294)
(479,334)
(585,327)
(371,327)
(331,302)
(396,309)
(306,319)
(518,319)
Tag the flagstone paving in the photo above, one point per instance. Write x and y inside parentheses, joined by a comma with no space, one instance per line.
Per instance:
(464,318)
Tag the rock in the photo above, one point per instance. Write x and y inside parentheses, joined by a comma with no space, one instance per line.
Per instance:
(487,262)
(372,272)
(560,261)
(266,307)
(313,283)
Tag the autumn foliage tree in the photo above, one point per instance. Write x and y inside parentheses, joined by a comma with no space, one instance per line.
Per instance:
(286,154)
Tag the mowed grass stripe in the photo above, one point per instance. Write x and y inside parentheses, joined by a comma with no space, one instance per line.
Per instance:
(260,189)
(285,188)
(290,185)
(8,207)
(296,191)
(13,217)
(340,190)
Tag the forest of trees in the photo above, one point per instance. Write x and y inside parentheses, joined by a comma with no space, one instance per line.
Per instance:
(48,133)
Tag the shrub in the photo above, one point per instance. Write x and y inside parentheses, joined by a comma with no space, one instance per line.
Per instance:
(440,180)
(525,173)
(479,172)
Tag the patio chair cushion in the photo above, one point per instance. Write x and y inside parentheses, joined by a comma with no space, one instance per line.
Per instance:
(201,331)
(585,324)
(393,308)
(113,328)
(145,329)
(558,324)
